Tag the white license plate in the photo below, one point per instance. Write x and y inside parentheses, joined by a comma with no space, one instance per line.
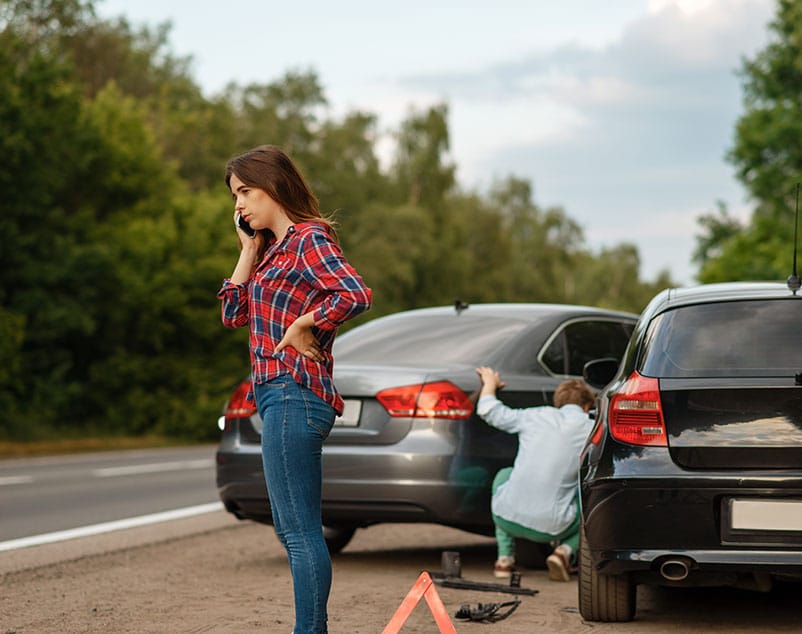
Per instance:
(350,415)
(766,515)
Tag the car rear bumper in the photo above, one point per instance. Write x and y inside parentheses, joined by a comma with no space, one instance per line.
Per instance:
(374,484)
(635,525)
(784,562)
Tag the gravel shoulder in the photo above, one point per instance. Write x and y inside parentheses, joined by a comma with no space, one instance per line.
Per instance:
(214,574)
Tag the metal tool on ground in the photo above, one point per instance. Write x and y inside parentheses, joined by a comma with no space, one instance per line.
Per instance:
(450,563)
(467,584)
(451,577)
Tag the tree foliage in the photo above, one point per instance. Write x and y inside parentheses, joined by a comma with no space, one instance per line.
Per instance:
(115,224)
(767,155)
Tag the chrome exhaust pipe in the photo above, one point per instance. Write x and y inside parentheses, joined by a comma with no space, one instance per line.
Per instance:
(675,569)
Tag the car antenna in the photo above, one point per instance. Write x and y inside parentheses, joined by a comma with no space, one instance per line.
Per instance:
(459,306)
(793,280)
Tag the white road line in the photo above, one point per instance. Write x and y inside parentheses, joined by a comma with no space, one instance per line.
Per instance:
(15,480)
(156,467)
(107,527)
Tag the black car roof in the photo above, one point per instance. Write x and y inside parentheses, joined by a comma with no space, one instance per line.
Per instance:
(722,292)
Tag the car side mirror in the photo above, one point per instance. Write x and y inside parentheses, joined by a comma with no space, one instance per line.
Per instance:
(599,372)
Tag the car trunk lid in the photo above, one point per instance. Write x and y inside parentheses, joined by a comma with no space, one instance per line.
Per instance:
(733,423)
(377,398)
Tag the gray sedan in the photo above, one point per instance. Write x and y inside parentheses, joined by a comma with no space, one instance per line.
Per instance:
(408,447)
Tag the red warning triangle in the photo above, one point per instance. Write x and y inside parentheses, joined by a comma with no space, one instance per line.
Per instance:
(423,587)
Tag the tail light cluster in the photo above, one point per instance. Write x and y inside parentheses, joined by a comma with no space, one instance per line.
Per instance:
(636,413)
(237,406)
(441,399)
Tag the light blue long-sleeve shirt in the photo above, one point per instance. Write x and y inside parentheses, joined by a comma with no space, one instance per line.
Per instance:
(540,493)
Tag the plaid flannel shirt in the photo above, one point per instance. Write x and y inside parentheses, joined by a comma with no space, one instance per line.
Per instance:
(305,272)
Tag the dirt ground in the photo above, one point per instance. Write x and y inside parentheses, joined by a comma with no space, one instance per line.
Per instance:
(231,577)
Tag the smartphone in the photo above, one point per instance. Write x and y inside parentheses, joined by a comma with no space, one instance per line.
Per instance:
(245,226)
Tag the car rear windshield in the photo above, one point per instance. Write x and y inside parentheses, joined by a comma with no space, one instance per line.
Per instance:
(728,339)
(428,339)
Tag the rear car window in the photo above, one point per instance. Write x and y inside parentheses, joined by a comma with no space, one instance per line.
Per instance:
(583,341)
(428,339)
(728,339)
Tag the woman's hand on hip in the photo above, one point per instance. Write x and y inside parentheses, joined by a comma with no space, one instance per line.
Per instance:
(299,336)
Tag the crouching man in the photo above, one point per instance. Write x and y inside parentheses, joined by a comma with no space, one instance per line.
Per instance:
(536,498)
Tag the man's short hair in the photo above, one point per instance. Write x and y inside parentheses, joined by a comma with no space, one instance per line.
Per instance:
(573,391)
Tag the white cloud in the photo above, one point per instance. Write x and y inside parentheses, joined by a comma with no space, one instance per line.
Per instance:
(707,34)
(630,138)
(688,7)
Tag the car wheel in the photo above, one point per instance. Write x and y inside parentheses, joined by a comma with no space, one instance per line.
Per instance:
(530,554)
(337,537)
(603,597)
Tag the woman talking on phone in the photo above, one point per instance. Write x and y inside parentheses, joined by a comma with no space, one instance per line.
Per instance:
(292,287)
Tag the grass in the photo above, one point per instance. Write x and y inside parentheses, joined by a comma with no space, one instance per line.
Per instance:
(19,449)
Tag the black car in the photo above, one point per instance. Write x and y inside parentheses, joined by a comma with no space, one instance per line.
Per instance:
(693,472)
(408,447)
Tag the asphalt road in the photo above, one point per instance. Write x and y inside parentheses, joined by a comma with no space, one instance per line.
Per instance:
(44,495)
(210,572)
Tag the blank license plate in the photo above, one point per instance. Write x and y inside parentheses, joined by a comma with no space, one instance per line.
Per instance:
(766,515)
(350,415)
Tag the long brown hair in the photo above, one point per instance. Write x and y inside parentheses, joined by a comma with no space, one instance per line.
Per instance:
(269,168)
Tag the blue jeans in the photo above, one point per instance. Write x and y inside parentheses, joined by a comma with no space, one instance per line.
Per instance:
(295,422)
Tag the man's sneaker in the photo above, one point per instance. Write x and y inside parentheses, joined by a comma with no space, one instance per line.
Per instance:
(559,564)
(504,567)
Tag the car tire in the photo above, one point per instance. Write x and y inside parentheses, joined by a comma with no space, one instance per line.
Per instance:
(609,598)
(337,537)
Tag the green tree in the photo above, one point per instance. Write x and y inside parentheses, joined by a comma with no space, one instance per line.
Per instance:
(194,132)
(717,229)
(477,257)
(767,155)
(421,168)
(42,23)
(344,169)
(611,279)
(115,225)
(43,153)
(90,224)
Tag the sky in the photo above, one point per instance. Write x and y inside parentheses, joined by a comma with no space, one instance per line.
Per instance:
(619,111)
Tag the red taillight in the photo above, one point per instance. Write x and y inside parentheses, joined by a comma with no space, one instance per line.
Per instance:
(237,406)
(596,434)
(636,413)
(430,400)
